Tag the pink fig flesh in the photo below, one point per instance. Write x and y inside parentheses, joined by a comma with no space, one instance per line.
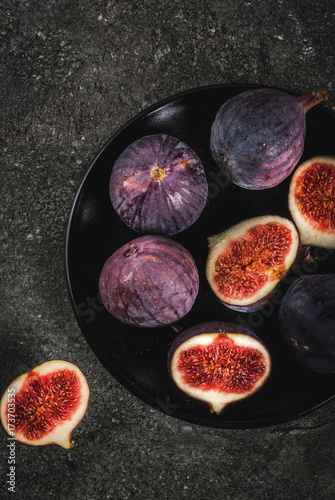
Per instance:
(46,404)
(247,261)
(312,201)
(218,363)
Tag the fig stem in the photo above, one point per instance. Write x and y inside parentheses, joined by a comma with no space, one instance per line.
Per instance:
(217,407)
(65,442)
(178,327)
(313,98)
(130,252)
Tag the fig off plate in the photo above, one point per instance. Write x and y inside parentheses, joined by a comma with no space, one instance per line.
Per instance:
(136,357)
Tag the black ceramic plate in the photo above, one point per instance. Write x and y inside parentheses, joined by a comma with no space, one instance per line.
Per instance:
(137,357)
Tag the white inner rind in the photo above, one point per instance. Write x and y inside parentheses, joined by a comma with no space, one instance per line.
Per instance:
(219,242)
(215,398)
(309,232)
(61,435)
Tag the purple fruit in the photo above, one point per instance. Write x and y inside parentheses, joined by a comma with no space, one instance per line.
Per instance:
(247,261)
(158,185)
(218,363)
(151,281)
(307,321)
(258,136)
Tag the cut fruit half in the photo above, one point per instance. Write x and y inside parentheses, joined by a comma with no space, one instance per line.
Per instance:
(247,261)
(45,405)
(312,201)
(218,363)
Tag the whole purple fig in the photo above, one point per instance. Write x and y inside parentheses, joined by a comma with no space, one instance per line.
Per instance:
(307,321)
(151,281)
(158,185)
(258,136)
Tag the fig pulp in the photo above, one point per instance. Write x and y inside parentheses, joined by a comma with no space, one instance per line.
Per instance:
(218,363)
(45,405)
(151,281)
(247,261)
(158,185)
(307,321)
(257,137)
(312,201)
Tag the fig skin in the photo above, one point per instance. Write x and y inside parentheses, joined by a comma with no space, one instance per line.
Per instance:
(158,185)
(151,281)
(208,334)
(307,321)
(312,201)
(59,429)
(261,271)
(257,137)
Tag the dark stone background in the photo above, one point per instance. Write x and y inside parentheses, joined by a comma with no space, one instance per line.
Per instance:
(72,73)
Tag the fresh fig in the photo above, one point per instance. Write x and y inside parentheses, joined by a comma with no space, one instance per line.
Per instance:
(312,201)
(158,185)
(247,261)
(218,363)
(151,281)
(257,137)
(307,321)
(45,405)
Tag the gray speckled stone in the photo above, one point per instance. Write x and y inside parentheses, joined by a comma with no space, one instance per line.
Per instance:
(73,73)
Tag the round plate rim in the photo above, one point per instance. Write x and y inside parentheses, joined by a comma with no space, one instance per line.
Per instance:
(128,386)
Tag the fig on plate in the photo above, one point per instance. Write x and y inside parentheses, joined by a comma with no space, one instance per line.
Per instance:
(312,201)
(247,261)
(257,137)
(158,185)
(151,281)
(307,321)
(46,404)
(218,363)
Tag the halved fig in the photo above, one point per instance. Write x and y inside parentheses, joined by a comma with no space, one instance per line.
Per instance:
(151,281)
(307,321)
(247,261)
(312,201)
(218,363)
(158,185)
(46,404)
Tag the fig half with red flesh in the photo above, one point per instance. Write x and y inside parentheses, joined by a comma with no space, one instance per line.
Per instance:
(158,185)
(151,281)
(247,261)
(46,404)
(218,363)
(312,201)
(258,136)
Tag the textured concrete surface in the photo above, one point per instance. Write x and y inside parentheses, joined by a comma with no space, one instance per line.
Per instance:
(72,73)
